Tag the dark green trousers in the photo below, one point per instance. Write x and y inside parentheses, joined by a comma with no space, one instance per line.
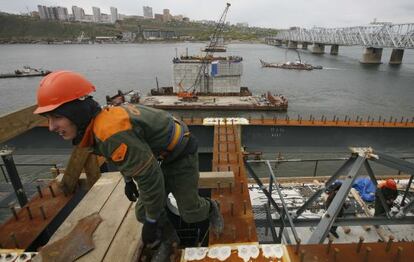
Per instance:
(181,179)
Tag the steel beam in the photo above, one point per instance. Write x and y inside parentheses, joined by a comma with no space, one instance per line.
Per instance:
(397,36)
(271,225)
(321,231)
(407,189)
(345,168)
(344,221)
(406,209)
(262,187)
(308,202)
(380,194)
(7,157)
(393,162)
(285,208)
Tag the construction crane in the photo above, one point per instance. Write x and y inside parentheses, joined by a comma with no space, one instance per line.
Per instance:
(190,94)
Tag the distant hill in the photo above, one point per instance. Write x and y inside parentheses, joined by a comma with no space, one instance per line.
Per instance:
(25,29)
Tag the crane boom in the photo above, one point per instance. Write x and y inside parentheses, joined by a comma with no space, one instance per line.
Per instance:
(204,61)
(219,28)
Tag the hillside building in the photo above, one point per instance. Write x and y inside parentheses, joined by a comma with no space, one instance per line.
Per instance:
(114,14)
(147,10)
(96,14)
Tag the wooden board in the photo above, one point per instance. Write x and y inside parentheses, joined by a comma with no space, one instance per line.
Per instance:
(212,179)
(207,179)
(119,234)
(112,213)
(92,202)
(18,122)
(127,240)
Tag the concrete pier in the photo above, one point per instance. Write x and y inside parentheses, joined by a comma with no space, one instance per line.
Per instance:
(318,48)
(275,42)
(278,43)
(372,55)
(396,57)
(334,49)
(292,45)
(304,45)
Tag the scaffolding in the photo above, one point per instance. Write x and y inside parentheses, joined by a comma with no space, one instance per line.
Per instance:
(360,157)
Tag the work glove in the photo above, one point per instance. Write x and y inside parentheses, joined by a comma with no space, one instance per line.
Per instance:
(131,191)
(151,233)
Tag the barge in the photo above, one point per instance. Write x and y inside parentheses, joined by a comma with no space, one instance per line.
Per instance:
(265,102)
(297,65)
(210,83)
(26,72)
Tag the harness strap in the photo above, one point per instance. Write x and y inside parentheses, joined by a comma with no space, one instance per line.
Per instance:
(178,132)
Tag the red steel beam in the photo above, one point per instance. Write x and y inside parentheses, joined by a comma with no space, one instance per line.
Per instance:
(20,230)
(234,199)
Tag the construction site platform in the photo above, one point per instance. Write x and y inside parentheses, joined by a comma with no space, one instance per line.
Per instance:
(214,103)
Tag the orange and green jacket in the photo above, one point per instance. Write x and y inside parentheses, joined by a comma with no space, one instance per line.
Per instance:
(131,137)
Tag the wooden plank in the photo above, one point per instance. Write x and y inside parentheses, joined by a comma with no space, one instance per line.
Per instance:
(212,179)
(18,122)
(207,179)
(112,213)
(379,230)
(91,203)
(76,163)
(127,240)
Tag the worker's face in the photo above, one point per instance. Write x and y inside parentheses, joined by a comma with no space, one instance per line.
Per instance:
(62,125)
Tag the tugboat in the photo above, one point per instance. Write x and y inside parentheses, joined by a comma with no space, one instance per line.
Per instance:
(27,71)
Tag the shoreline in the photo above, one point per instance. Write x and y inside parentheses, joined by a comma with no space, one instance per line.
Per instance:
(66,42)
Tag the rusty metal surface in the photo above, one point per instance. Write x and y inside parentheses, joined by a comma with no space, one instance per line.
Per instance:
(77,243)
(30,221)
(367,252)
(374,252)
(234,199)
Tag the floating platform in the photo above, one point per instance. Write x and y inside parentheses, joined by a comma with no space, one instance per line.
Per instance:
(26,72)
(291,65)
(256,103)
(214,49)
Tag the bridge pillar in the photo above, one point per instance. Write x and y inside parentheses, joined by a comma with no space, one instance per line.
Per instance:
(318,48)
(304,45)
(292,44)
(396,57)
(334,49)
(277,43)
(372,55)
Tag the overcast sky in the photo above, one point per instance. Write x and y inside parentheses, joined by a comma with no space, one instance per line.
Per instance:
(263,13)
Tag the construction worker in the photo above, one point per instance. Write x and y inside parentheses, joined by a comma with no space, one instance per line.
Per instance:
(390,193)
(147,145)
(331,191)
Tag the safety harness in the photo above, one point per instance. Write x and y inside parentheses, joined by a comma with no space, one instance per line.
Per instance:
(178,135)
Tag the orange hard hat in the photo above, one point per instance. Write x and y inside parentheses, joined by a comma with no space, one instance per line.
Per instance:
(389,183)
(61,87)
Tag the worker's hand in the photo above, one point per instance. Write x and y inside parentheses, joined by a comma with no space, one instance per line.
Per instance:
(131,191)
(150,233)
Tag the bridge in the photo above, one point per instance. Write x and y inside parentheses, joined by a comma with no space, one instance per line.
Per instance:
(374,38)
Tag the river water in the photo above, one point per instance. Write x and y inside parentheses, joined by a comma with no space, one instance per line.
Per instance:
(343,87)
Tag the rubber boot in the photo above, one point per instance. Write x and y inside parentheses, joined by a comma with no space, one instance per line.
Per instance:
(216,218)
(169,237)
